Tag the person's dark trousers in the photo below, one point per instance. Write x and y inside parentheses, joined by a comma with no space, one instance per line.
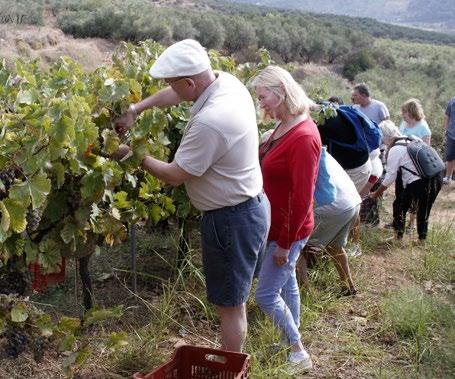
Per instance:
(396,205)
(423,192)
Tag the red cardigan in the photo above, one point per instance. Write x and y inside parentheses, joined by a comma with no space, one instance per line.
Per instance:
(290,170)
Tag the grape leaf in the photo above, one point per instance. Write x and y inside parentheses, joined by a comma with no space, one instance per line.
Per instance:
(17,212)
(92,187)
(59,171)
(26,97)
(5,223)
(69,325)
(121,200)
(19,313)
(45,325)
(111,141)
(35,189)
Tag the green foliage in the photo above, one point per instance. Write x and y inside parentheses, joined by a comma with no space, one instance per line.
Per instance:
(58,133)
(210,30)
(419,318)
(435,263)
(291,36)
(22,12)
(359,62)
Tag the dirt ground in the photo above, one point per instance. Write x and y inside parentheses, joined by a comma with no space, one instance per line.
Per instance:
(342,351)
(47,44)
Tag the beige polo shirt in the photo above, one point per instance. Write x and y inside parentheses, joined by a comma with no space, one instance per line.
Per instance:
(220,146)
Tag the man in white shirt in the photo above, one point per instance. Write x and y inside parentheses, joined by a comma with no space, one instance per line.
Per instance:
(217,160)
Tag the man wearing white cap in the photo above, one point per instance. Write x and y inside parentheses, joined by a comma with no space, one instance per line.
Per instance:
(217,161)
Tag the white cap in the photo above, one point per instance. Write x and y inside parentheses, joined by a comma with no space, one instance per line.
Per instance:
(184,58)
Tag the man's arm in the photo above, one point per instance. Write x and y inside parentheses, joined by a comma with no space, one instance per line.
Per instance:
(170,173)
(161,99)
(385,114)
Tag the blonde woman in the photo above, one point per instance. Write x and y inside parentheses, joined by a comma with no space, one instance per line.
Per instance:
(413,123)
(289,161)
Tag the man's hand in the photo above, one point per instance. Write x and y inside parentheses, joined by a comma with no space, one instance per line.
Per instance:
(122,152)
(125,121)
(280,256)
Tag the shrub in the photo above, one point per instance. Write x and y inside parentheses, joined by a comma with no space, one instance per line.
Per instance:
(357,63)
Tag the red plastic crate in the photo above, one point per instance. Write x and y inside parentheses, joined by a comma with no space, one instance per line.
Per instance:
(193,362)
(42,281)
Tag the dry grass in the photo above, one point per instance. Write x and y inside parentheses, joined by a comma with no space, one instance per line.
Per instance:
(47,44)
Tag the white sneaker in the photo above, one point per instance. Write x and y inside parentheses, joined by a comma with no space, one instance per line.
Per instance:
(299,362)
(447,180)
(354,251)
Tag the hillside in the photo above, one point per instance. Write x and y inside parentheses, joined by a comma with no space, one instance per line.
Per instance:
(148,300)
(47,44)
(433,14)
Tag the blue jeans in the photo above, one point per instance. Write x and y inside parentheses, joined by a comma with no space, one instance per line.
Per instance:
(233,242)
(278,293)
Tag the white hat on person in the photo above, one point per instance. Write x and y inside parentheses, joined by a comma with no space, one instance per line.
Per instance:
(184,58)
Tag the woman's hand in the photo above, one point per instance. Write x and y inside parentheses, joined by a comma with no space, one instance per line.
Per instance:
(280,256)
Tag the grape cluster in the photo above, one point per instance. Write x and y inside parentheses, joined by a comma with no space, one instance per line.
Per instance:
(7,177)
(13,282)
(33,219)
(16,343)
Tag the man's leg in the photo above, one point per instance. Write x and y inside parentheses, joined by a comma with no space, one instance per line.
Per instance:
(339,257)
(450,168)
(233,327)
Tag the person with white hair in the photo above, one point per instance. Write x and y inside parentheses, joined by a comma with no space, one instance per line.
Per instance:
(418,190)
(289,161)
(217,161)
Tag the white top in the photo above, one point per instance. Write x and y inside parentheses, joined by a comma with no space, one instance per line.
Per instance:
(376,164)
(220,146)
(347,196)
(376,111)
(398,156)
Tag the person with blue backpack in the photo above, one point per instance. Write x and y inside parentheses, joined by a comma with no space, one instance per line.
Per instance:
(350,138)
(347,136)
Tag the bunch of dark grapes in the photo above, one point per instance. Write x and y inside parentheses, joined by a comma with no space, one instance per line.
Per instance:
(13,283)
(33,219)
(7,177)
(16,342)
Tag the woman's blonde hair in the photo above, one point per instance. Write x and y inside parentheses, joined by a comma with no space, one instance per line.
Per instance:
(413,108)
(281,83)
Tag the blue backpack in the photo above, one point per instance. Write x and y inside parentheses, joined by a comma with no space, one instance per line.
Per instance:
(367,132)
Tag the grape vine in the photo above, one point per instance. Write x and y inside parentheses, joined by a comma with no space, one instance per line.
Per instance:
(60,191)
